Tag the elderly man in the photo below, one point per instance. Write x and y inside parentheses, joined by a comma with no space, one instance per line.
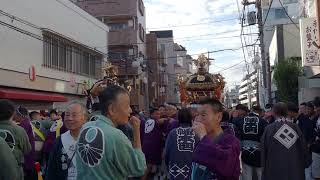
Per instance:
(62,162)
(15,136)
(103,151)
(216,156)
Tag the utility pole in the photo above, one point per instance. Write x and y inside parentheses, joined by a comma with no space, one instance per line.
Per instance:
(264,63)
(248,77)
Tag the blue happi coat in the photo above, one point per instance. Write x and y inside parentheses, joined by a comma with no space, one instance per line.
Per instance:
(178,152)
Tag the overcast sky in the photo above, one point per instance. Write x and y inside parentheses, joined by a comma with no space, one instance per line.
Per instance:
(209,25)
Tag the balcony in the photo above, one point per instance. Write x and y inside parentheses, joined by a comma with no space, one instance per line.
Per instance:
(122,37)
(109,7)
(123,62)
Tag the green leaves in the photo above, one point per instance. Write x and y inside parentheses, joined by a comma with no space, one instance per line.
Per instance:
(286,75)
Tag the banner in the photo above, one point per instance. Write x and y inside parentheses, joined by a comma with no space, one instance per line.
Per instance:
(309,42)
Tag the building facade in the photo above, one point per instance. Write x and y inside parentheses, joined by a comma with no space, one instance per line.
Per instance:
(171,61)
(154,74)
(277,16)
(309,83)
(273,17)
(284,45)
(47,52)
(232,97)
(126,43)
(248,89)
(165,46)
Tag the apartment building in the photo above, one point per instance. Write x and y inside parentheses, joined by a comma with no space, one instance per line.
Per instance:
(126,42)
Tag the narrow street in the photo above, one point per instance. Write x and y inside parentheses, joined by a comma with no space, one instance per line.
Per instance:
(159,89)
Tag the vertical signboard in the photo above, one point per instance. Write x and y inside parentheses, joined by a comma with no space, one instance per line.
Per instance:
(309,32)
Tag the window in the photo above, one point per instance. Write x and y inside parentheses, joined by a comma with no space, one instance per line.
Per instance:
(118,26)
(85,63)
(141,33)
(55,53)
(141,7)
(64,55)
(279,13)
(162,48)
(69,58)
(180,61)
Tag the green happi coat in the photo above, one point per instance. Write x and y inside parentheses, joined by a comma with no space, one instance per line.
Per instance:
(105,153)
(17,139)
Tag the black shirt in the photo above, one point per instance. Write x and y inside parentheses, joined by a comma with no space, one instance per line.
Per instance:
(249,130)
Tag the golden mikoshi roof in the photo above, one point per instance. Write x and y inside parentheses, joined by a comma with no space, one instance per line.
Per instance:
(202,80)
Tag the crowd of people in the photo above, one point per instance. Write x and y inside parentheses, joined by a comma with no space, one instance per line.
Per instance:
(202,141)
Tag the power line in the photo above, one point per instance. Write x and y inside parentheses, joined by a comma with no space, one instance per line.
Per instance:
(288,14)
(189,37)
(41,39)
(281,24)
(264,22)
(196,24)
(15,18)
(148,59)
(21,31)
(40,28)
(227,68)
(170,41)
(203,35)
(19,19)
(244,37)
(244,55)
(295,36)
(238,7)
(182,39)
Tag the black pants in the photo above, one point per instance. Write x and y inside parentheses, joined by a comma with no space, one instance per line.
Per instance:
(30,175)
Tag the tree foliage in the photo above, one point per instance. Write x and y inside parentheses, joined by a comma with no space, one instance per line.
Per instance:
(286,73)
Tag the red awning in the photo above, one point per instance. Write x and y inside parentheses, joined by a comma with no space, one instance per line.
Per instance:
(15,94)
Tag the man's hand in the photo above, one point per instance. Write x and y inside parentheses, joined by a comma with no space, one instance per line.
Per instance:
(135,122)
(162,120)
(199,129)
